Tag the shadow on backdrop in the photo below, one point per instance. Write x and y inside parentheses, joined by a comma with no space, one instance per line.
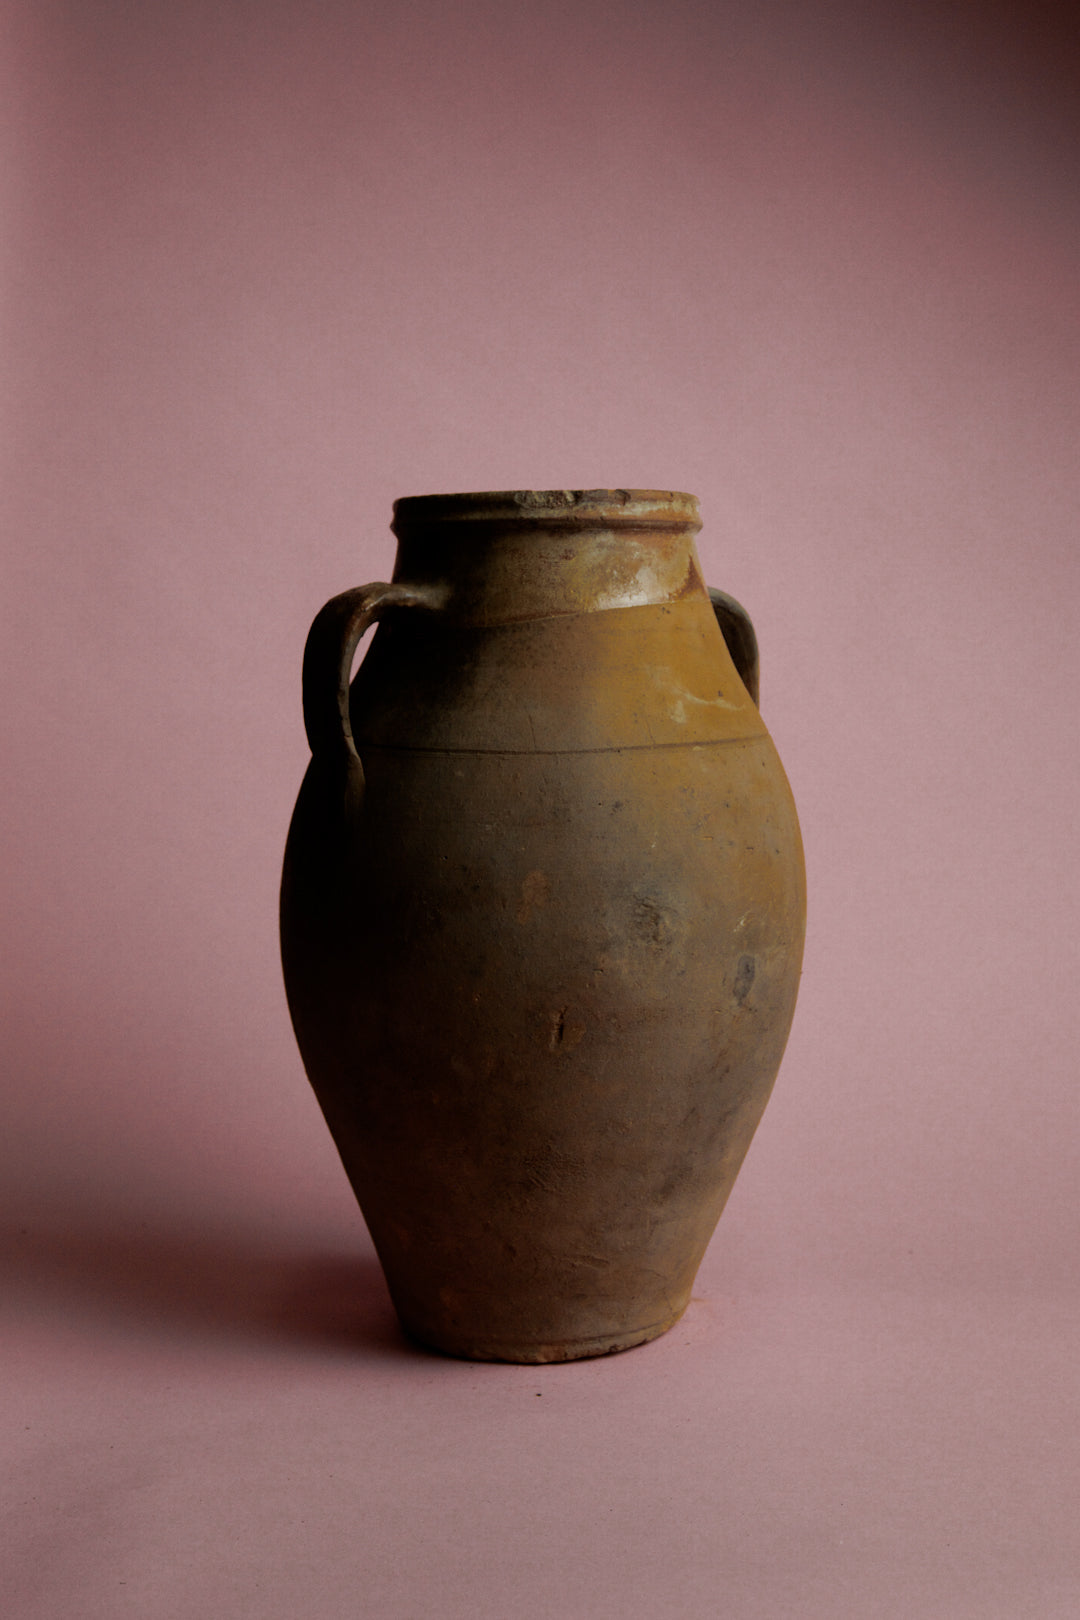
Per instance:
(132,1277)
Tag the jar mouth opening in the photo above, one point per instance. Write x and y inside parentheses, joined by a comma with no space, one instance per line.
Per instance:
(561,508)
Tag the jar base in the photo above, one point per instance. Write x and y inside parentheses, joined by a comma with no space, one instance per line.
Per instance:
(467,1348)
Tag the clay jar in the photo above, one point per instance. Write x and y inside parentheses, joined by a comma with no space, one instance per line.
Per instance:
(542,914)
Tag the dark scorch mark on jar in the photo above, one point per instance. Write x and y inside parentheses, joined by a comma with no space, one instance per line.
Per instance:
(744,978)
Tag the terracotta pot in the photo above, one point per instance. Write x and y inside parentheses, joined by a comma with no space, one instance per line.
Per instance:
(542,945)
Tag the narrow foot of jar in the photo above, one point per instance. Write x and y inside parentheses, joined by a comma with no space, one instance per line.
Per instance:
(476,1349)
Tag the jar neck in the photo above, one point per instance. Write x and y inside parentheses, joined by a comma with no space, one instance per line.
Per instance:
(504,557)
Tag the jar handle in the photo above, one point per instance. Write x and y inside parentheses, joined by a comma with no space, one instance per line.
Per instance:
(738,633)
(332,641)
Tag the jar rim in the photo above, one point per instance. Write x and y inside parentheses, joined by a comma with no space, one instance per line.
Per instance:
(605,508)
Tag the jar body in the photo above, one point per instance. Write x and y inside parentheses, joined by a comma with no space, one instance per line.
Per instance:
(543,967)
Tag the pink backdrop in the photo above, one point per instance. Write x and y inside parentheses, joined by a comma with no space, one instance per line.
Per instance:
(266,267)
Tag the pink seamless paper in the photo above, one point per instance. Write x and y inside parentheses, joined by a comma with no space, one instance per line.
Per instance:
(267,267)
